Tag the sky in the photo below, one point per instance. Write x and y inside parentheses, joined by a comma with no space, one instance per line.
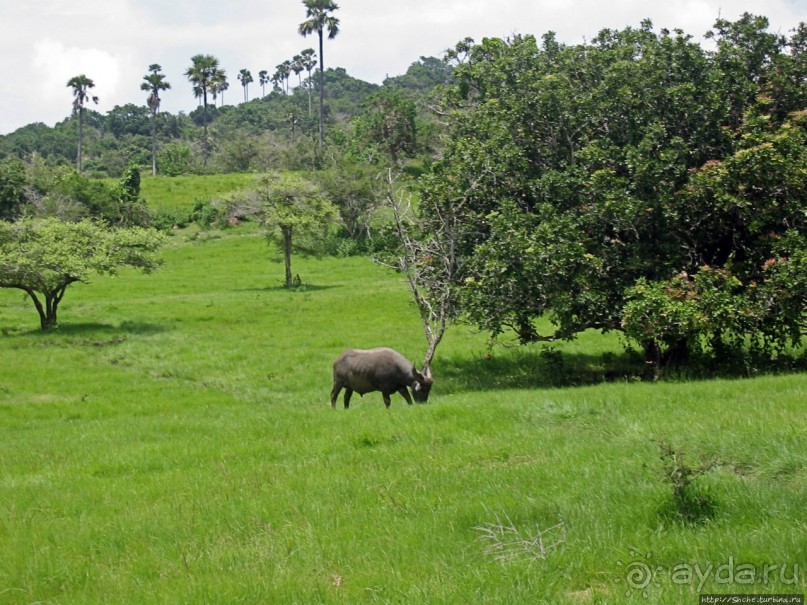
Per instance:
(44,43)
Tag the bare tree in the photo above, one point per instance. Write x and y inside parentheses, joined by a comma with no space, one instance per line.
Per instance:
(428,258)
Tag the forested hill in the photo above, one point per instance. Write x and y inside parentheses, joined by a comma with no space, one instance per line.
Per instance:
(250,135)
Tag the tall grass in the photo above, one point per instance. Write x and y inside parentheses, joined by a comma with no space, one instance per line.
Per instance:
(172,442)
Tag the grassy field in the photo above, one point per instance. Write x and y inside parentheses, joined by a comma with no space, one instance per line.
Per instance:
(172,442)
(183,191)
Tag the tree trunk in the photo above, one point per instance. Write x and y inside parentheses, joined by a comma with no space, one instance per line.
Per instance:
(47,312)
(80,136)
(309,93)
(153,143)
(652,352)
(204,119)
(678,354)
(321,90)
(287,255)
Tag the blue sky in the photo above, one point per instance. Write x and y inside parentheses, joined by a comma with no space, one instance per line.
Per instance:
(43,43)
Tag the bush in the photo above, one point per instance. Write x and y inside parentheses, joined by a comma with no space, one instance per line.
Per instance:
(207,213)
(169,218)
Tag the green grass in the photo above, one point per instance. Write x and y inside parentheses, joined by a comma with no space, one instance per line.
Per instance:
(172,442)
(163,193)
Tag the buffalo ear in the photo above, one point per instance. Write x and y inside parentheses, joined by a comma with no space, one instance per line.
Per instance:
(427,371)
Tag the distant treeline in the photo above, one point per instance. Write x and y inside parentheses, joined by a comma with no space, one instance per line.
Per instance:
(262,133)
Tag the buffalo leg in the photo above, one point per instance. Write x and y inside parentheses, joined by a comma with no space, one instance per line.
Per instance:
(348,394)
(335,394)
(386,399)
(405,394)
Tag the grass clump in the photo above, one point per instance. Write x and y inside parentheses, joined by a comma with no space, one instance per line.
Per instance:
(690,502)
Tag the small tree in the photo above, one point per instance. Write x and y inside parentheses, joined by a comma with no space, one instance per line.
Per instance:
(429,260)
(132,210)
(294,210)
(43,257)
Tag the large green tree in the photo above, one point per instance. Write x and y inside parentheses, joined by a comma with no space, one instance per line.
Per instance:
(318,20)
(204,74)
(43,257)
(154,83)
(592,177)
(81,86)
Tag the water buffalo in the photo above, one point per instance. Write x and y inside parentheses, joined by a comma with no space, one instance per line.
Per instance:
(378,369)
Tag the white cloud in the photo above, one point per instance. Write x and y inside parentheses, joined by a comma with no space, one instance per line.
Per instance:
(54,64)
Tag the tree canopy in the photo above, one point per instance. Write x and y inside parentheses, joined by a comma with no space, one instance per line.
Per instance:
(295,212)
(42,257)
(637,183)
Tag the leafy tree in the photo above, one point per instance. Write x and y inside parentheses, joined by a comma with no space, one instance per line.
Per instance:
(128,121)
(294,211)
(353,189)
(320,18)
(81,86)
(13,182)
(43,257)
(422,76)
(205,76)
(388,124)
(176,159)
(154,83)
(747,238)
(636,183)
(245,77)
(132,210)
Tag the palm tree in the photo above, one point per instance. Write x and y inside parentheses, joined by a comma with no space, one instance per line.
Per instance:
(246,77)
(81,86)
(276,79)
(309,59)
(286,73)
(320,19)
(201,74)
(297,67)
(263,80)
(154,82)
(219,85)
(282,73)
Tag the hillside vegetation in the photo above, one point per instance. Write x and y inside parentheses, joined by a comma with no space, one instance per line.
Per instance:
(172,442)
